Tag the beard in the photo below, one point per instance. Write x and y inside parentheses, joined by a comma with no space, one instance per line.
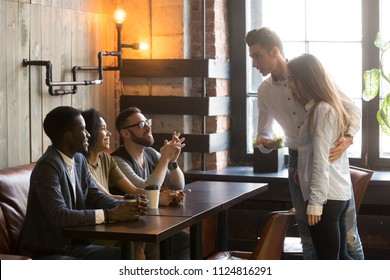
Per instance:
(144,141)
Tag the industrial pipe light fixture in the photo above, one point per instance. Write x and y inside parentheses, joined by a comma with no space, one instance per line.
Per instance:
(119,17)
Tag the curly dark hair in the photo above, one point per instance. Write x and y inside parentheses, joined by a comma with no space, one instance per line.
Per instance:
(92,121)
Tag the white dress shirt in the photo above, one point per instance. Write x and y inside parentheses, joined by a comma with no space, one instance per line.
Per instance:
(69,162)
(275,102)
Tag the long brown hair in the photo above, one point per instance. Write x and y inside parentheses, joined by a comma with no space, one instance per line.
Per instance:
(313,82)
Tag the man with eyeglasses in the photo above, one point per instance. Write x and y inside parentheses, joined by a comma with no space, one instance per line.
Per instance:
(145,166)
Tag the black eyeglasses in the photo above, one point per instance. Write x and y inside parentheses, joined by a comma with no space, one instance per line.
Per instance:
(141,124)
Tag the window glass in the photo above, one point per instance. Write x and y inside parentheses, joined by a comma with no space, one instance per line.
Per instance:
(343,62)
(331,30)
(333,20)
(285,17)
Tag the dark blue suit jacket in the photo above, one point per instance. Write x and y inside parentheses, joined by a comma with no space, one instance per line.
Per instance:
(51,204)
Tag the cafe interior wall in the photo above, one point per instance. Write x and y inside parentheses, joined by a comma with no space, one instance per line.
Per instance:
(173,30)
(72,32)
(67,33)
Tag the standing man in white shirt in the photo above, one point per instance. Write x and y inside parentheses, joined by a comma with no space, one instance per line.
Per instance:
(276,103)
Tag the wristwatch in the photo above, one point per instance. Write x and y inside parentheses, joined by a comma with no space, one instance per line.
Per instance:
(349,136)
(172,165)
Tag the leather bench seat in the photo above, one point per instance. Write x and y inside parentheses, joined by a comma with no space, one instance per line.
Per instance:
(14,187)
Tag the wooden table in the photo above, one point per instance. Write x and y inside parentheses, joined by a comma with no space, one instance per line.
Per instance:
(205,199)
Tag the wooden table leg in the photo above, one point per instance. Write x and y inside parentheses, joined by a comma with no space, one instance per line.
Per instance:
(166,249)
(222,225)
(127,250)
(196,251)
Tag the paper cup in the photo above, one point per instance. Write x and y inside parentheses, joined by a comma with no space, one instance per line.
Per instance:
(133,198)
(153,195)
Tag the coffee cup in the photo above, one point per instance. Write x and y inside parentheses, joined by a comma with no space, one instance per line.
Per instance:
(133,198)
(153,195)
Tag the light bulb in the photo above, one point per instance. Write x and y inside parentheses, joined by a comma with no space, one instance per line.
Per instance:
(143,46)
(119,16)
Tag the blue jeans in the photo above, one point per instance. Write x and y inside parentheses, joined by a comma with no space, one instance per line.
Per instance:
(354,246)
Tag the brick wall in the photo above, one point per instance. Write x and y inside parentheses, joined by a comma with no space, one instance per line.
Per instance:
(216,47)
(173,29)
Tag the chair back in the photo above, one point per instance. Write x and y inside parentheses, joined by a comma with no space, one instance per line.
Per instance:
(360,178)
(269,245)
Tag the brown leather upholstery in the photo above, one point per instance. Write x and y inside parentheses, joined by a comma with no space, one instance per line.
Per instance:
(13,257)
(360,178)
(14,186)
(269,245)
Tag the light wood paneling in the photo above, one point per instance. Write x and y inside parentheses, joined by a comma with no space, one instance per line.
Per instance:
(76,4)
(3,89)
(36,85)
(22,94)
(66,4)
(57,41)
(65,32)
(66,56)
(85,92)
(113,83)
(12,65)
(77,52)
(47,54)
(97,44)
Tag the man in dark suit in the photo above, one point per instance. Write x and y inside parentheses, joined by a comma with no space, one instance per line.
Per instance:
(62,193)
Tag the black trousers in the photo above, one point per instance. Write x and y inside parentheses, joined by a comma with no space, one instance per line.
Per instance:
(330,234)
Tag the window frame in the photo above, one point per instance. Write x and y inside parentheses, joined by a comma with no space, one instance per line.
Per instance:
(237,11)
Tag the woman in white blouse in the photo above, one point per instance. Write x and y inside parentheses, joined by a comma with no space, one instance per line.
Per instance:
(325,185)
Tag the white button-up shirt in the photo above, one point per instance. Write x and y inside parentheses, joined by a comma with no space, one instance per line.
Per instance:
(320,179)
(69,162)
(276,102)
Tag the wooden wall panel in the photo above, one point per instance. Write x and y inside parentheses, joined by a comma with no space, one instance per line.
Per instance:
(76,4)
(3,89)
(12,31)
(66,4)
(56,3)
(85,43)
(94,48)
(112,83)
(77,52)
(48,102)
(56,42)
(22,94)
(36,85)
(66,55)
(65,32)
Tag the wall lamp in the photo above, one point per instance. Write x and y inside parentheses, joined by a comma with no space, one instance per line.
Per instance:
(119,16)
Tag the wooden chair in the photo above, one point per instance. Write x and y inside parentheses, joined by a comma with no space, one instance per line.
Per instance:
(360,178)
(269,245)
